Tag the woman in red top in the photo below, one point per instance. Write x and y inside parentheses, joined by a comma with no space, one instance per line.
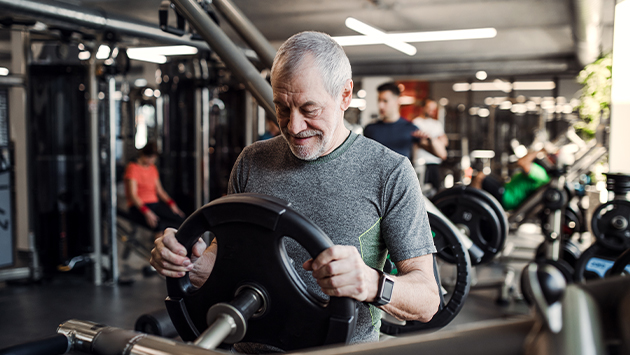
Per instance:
(148,203)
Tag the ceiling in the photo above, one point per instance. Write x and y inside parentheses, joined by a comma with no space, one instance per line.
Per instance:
(534,37)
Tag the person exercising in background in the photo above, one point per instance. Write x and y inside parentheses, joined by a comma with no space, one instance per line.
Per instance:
(148,203)
(392,131)
(432,143)
(364,196)
(520,186)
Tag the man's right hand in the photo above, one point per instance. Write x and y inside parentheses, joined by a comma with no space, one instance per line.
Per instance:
(169,258)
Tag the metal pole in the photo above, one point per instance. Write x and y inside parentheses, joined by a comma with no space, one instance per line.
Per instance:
(249,118)
(234,59)
(198,148)
(247,31)
(112,176)
(95,215)
(216,333)
(205,143)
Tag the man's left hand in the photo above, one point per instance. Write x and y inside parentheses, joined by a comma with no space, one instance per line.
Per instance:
(420,134)
(340,271)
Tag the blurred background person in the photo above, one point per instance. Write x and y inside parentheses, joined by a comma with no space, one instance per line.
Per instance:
(148,203)
(392,130)
(432,143)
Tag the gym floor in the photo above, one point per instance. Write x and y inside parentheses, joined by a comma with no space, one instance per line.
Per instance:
(32,311)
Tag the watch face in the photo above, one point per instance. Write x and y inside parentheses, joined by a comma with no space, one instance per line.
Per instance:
(388,287)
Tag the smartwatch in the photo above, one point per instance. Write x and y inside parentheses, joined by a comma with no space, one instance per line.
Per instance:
(385,289)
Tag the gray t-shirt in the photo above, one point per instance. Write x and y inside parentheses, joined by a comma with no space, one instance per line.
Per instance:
(362,194)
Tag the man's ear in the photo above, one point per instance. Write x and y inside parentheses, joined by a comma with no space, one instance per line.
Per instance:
(346,94)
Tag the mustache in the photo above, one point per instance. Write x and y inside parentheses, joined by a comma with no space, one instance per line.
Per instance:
(304,134)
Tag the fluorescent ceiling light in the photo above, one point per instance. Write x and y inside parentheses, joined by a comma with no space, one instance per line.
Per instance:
(84,55)
(103,52)
(500,85)
(482,154)
(534,85)
(151,58)
(158,54)
(140,82)
(483,112)
(358,103)
(380,36)
(4,71)
(163,51)
(413,37)
(459,87)
(407,100)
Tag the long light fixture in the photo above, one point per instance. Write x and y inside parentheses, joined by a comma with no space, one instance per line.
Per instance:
(380,36)
(500,85)
(400,41)
(159,54)
(103,52)
(4,71)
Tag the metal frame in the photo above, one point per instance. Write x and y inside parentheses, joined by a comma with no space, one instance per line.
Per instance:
(233,58)
(247,31)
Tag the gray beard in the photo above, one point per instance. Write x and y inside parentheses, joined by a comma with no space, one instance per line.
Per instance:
(303,153)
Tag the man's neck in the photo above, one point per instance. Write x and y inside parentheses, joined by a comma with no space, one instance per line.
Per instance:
(391,119)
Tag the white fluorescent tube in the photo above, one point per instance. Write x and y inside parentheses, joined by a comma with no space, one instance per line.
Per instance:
(499,85)
(383,38)
(163,50)
(159,59)
(103,52)
(413,37)
(534,85)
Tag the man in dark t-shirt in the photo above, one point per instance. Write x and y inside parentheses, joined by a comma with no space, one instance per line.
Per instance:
(393,131)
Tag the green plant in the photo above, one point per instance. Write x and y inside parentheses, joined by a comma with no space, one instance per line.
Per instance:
(594,105)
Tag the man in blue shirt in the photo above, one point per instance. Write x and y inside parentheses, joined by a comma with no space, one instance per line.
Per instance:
(392,131)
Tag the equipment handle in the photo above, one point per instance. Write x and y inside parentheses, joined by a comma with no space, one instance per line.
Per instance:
(55,345)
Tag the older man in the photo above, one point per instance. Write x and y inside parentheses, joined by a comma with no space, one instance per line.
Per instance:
(364,196)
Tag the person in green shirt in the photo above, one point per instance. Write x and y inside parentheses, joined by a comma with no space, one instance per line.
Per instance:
(521,185)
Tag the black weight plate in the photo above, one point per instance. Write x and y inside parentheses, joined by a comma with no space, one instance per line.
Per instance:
(496,206)
(621,265)
(602,225)
(249,229)
(569,252)
(572,223)
(447,243)
(470,207)
(594,263)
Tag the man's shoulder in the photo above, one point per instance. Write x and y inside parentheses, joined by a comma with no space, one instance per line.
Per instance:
(132,166)
(266,146)
(370,149)
(403,122)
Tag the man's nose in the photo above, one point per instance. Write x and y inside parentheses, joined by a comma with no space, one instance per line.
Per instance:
(296,123)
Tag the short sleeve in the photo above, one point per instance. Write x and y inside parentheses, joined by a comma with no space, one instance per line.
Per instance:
(405,224)
(131,173)
(154,172)
(538,174)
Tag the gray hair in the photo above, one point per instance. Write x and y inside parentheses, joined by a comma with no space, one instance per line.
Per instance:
(327,54)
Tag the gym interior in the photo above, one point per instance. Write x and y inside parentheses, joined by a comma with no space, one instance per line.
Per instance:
(90,88)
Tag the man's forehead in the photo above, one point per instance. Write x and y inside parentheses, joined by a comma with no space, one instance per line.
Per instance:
(386,95)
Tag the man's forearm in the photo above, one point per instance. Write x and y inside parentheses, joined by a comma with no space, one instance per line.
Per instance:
(415,297)
(436,147)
